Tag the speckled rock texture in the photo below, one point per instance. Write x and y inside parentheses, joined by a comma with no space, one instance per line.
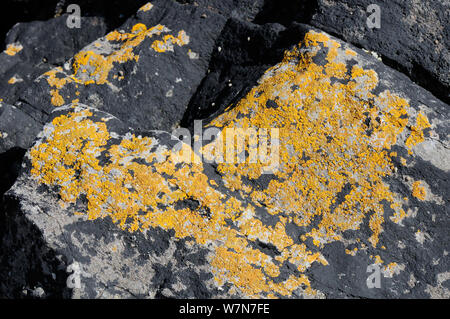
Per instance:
(349,182)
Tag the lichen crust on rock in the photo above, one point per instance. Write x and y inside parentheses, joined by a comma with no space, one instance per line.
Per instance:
(340,134)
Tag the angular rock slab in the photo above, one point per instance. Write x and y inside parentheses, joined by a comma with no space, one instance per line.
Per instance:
(363,169)
(144,73)
(36,47)
(17,129)
(354,189)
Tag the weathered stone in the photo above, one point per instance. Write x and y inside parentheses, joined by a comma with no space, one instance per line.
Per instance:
(414,36)
(17,129)
(364,168)
(156,59)
(17,132)
(243,52)
(239,9)
(115,262)
(362,179)
(36,47)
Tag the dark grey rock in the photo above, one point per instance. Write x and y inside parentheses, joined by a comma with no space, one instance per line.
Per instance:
(104,207)
(414,36)
(44,45)
(240,9)
(147,89)
(17,129)
(410,250)
(17,133)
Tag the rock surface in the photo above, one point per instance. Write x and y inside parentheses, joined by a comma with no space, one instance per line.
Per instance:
(414,36)
(166,43)
(317,163)
(36,47)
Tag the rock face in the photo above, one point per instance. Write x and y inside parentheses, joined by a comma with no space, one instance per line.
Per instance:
(414,36)
(17,128)
(36,47)
(166,43)
(320,172)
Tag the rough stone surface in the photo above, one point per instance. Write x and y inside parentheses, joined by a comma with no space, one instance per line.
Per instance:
(362,180)
(17,129)
(33,48)
(414,36)
(351,172)
(167,44)
(36,47)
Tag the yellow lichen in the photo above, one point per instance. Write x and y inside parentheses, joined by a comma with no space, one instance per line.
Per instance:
(417,135)
(350,52)
(146,7)
(418,190)
(328,138)
(13,48)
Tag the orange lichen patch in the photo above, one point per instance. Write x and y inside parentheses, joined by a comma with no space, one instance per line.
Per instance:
(57,99)
(417,131)
(392,269)
(418,190)
(350,52)
(92,67)
(53,79)
(399,216)
(99,66)
(146,7)
(132,193)
(351,252)
(13,48)
(391,266)
(168,41)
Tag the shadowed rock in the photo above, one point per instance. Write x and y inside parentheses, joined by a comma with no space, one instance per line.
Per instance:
(361,179)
